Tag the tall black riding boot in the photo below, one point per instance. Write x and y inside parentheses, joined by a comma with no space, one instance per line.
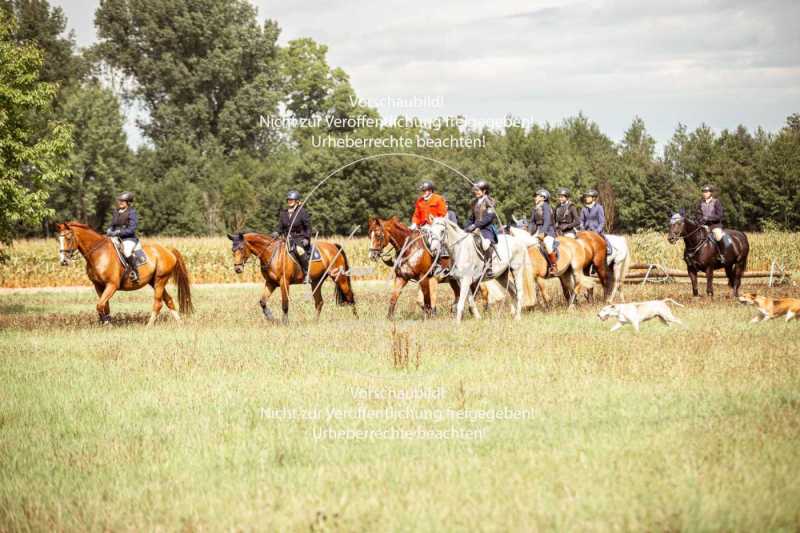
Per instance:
(133,268)
(303,259)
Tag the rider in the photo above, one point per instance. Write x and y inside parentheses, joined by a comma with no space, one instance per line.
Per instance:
(482,218)
(295,224)
(123,228)
(566,214)
(593,217)
(541,225)
(429,203)
(709,212)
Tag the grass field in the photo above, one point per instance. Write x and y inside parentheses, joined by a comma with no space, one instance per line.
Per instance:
(224,422)
(34,263)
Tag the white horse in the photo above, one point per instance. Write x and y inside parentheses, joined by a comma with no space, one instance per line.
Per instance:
(619,260)
(467,267)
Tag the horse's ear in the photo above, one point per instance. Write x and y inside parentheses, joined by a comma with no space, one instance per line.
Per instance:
(231,237)
(60,226)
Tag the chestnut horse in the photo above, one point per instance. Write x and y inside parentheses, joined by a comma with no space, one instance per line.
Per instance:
(413,260)
(281,270)
(572,260)
(700,254)
(594,247)
(106,271)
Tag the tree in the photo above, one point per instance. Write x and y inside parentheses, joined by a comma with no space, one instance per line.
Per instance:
(99,159)
(204,69)
(28,165)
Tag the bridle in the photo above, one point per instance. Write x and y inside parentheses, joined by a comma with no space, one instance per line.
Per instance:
(693,251)
(68,253)
(241,246)
(381,252)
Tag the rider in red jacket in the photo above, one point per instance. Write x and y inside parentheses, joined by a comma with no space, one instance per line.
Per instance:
(429,203)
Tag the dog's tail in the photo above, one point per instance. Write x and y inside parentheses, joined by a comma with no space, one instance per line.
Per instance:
(673,301)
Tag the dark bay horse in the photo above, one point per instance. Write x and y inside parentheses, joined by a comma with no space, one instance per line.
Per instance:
(416,262)
(106,271)
(702,255)
(280,269)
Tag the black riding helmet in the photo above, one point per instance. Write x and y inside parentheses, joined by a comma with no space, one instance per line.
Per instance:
(591,193)
(482,185)
(544,193)
(563,191)
(293,195)
(125,197)
(426,186)
(708,188)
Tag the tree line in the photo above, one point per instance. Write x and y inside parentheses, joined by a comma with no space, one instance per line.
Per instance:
(206,72)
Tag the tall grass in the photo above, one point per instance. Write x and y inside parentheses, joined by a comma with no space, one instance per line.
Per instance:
(34,263)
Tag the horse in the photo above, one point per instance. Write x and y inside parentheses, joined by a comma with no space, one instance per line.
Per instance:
(620,262)
(594,248)
(467,266)
(106,271)
(413,260)
(701,254)
(571,262)
(280,269)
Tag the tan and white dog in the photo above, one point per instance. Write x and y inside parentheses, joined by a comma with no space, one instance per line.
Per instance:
(636,313)
(771,307)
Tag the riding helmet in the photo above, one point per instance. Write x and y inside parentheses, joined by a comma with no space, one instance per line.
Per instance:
(591,192)
(563,191)
(482,185)
(125,197)
(708,188)
(544,193)
(426,186)
(293,195)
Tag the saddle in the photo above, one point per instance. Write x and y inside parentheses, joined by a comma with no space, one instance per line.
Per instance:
(138,252)
(543,251)
(315,255)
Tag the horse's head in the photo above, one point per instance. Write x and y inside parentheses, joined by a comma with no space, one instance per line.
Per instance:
(67,244)
(241,252)
(676,225)
(437,234)
(378,239)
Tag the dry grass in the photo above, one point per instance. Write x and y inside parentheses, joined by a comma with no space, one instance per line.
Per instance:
(128,428)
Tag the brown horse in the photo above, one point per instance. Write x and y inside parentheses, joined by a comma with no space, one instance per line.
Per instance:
(106,271)
(413,260)
(570,265)
(594,248)
(280,269)
(701,254)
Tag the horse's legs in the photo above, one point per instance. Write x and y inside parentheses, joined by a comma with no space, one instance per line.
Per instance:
(399,283)
(265,294)
(603,272)
(456,293)
(285,300)
(473,307)
(710,281)
(568,279)
(106,312)
(158,299)
(517,290)
(425,286)
(614,283)
(171,305)
(465,291)
(738,272)
(545,298)
(693,278)
(103,309)
(433,288)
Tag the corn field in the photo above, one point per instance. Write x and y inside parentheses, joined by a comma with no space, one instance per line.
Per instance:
(34,262)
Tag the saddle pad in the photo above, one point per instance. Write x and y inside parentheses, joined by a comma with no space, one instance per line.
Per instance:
(315,255)
(555,250)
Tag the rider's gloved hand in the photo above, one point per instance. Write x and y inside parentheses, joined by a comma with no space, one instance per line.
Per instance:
(304,243)
(470,228)
(412,226)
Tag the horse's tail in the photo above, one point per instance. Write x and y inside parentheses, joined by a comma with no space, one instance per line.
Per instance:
(344,296)
(181,277)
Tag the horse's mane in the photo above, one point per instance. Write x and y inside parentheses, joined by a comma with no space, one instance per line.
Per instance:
(80,225)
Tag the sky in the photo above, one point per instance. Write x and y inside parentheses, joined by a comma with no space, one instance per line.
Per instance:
(722,63)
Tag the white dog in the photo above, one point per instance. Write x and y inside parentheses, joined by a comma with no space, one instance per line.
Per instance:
(636,313)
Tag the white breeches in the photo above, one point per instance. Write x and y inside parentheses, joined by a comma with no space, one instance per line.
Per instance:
(717,233)
(128,246)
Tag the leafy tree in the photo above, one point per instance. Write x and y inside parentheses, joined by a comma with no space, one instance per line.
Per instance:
(28,165)
(99,159)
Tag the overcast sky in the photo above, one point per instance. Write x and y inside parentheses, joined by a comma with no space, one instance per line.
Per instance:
(723,62)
